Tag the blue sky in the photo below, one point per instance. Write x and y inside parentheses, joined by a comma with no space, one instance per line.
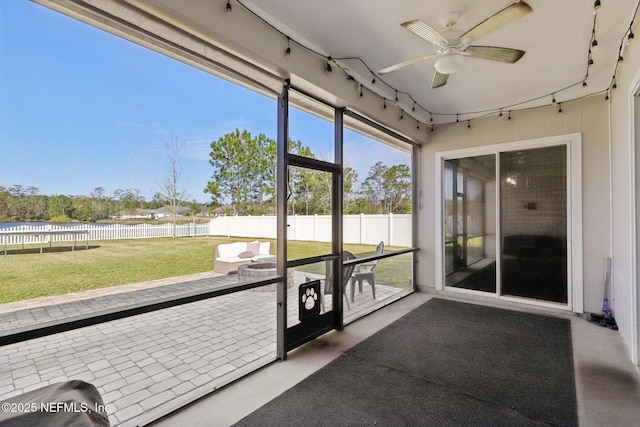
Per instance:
(81,108)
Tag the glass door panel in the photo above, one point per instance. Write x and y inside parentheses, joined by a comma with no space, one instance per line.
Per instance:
(447,198)
(469,223)
(311,114)
(310,213)
(533,212)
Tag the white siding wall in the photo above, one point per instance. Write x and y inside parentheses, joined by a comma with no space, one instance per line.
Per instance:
(588,117)
(623,200)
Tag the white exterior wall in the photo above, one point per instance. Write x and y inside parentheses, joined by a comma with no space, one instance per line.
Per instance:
(624,200)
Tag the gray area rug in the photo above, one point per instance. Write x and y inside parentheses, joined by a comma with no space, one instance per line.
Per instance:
(445,363)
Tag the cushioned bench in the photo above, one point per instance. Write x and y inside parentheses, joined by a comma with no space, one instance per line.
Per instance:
(229,256)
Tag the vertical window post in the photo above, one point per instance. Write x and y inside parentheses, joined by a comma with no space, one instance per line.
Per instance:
(281,212)
(337,208)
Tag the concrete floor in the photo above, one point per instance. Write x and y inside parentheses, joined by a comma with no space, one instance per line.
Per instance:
(607,383)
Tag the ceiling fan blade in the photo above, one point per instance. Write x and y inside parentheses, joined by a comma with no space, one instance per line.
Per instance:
(439,79)
(497,21)
(501,54)
(405,63)
(425,31)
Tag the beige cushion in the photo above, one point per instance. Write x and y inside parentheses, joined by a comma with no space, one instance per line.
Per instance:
(231,250)
(265,248)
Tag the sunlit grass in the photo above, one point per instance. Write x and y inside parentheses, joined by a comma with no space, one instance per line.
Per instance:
(29,274)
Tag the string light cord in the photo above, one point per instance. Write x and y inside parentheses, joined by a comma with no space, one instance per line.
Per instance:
(628,35)
(590,51)
(333,61)
(377,79)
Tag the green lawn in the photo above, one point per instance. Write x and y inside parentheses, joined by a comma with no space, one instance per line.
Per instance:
(28,274)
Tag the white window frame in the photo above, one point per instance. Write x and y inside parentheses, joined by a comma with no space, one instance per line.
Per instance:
(573,142)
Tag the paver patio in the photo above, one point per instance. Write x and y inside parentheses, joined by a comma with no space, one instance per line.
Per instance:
(154,361)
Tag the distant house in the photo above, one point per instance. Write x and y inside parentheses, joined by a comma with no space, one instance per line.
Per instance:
(203,210)
(135,214)
(167,211)
(224,210)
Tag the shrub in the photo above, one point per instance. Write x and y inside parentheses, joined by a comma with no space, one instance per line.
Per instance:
(60,219)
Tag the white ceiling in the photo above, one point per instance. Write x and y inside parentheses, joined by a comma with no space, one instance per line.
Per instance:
(556,38)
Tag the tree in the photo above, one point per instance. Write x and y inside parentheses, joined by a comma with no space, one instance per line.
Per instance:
(4,204)
(243,170)
(17,203)
(172,188)
(196,209)
(157,201)
(398,189)
(83,208)
(310,190)
(60,205)
(388,189)
(98,195)
(349,181)
(128,200)
(373,187)
(39,205)
(300,181)
(24,203)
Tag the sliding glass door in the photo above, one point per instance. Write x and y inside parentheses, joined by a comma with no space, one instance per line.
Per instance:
(510,222)
(469,223)
(533,223)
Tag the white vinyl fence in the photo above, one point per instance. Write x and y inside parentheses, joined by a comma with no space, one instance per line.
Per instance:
(392,229)
(100,232)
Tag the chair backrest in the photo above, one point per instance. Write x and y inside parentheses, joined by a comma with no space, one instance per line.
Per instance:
(379,250)
(347,270)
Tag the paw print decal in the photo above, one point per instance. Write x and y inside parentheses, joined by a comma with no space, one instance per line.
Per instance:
(308,299)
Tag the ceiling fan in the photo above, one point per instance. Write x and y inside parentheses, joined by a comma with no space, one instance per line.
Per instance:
(454,46)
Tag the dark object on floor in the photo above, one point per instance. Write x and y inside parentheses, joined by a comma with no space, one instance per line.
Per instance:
(601,320)
(70,404)
(605,318)
(445,363)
